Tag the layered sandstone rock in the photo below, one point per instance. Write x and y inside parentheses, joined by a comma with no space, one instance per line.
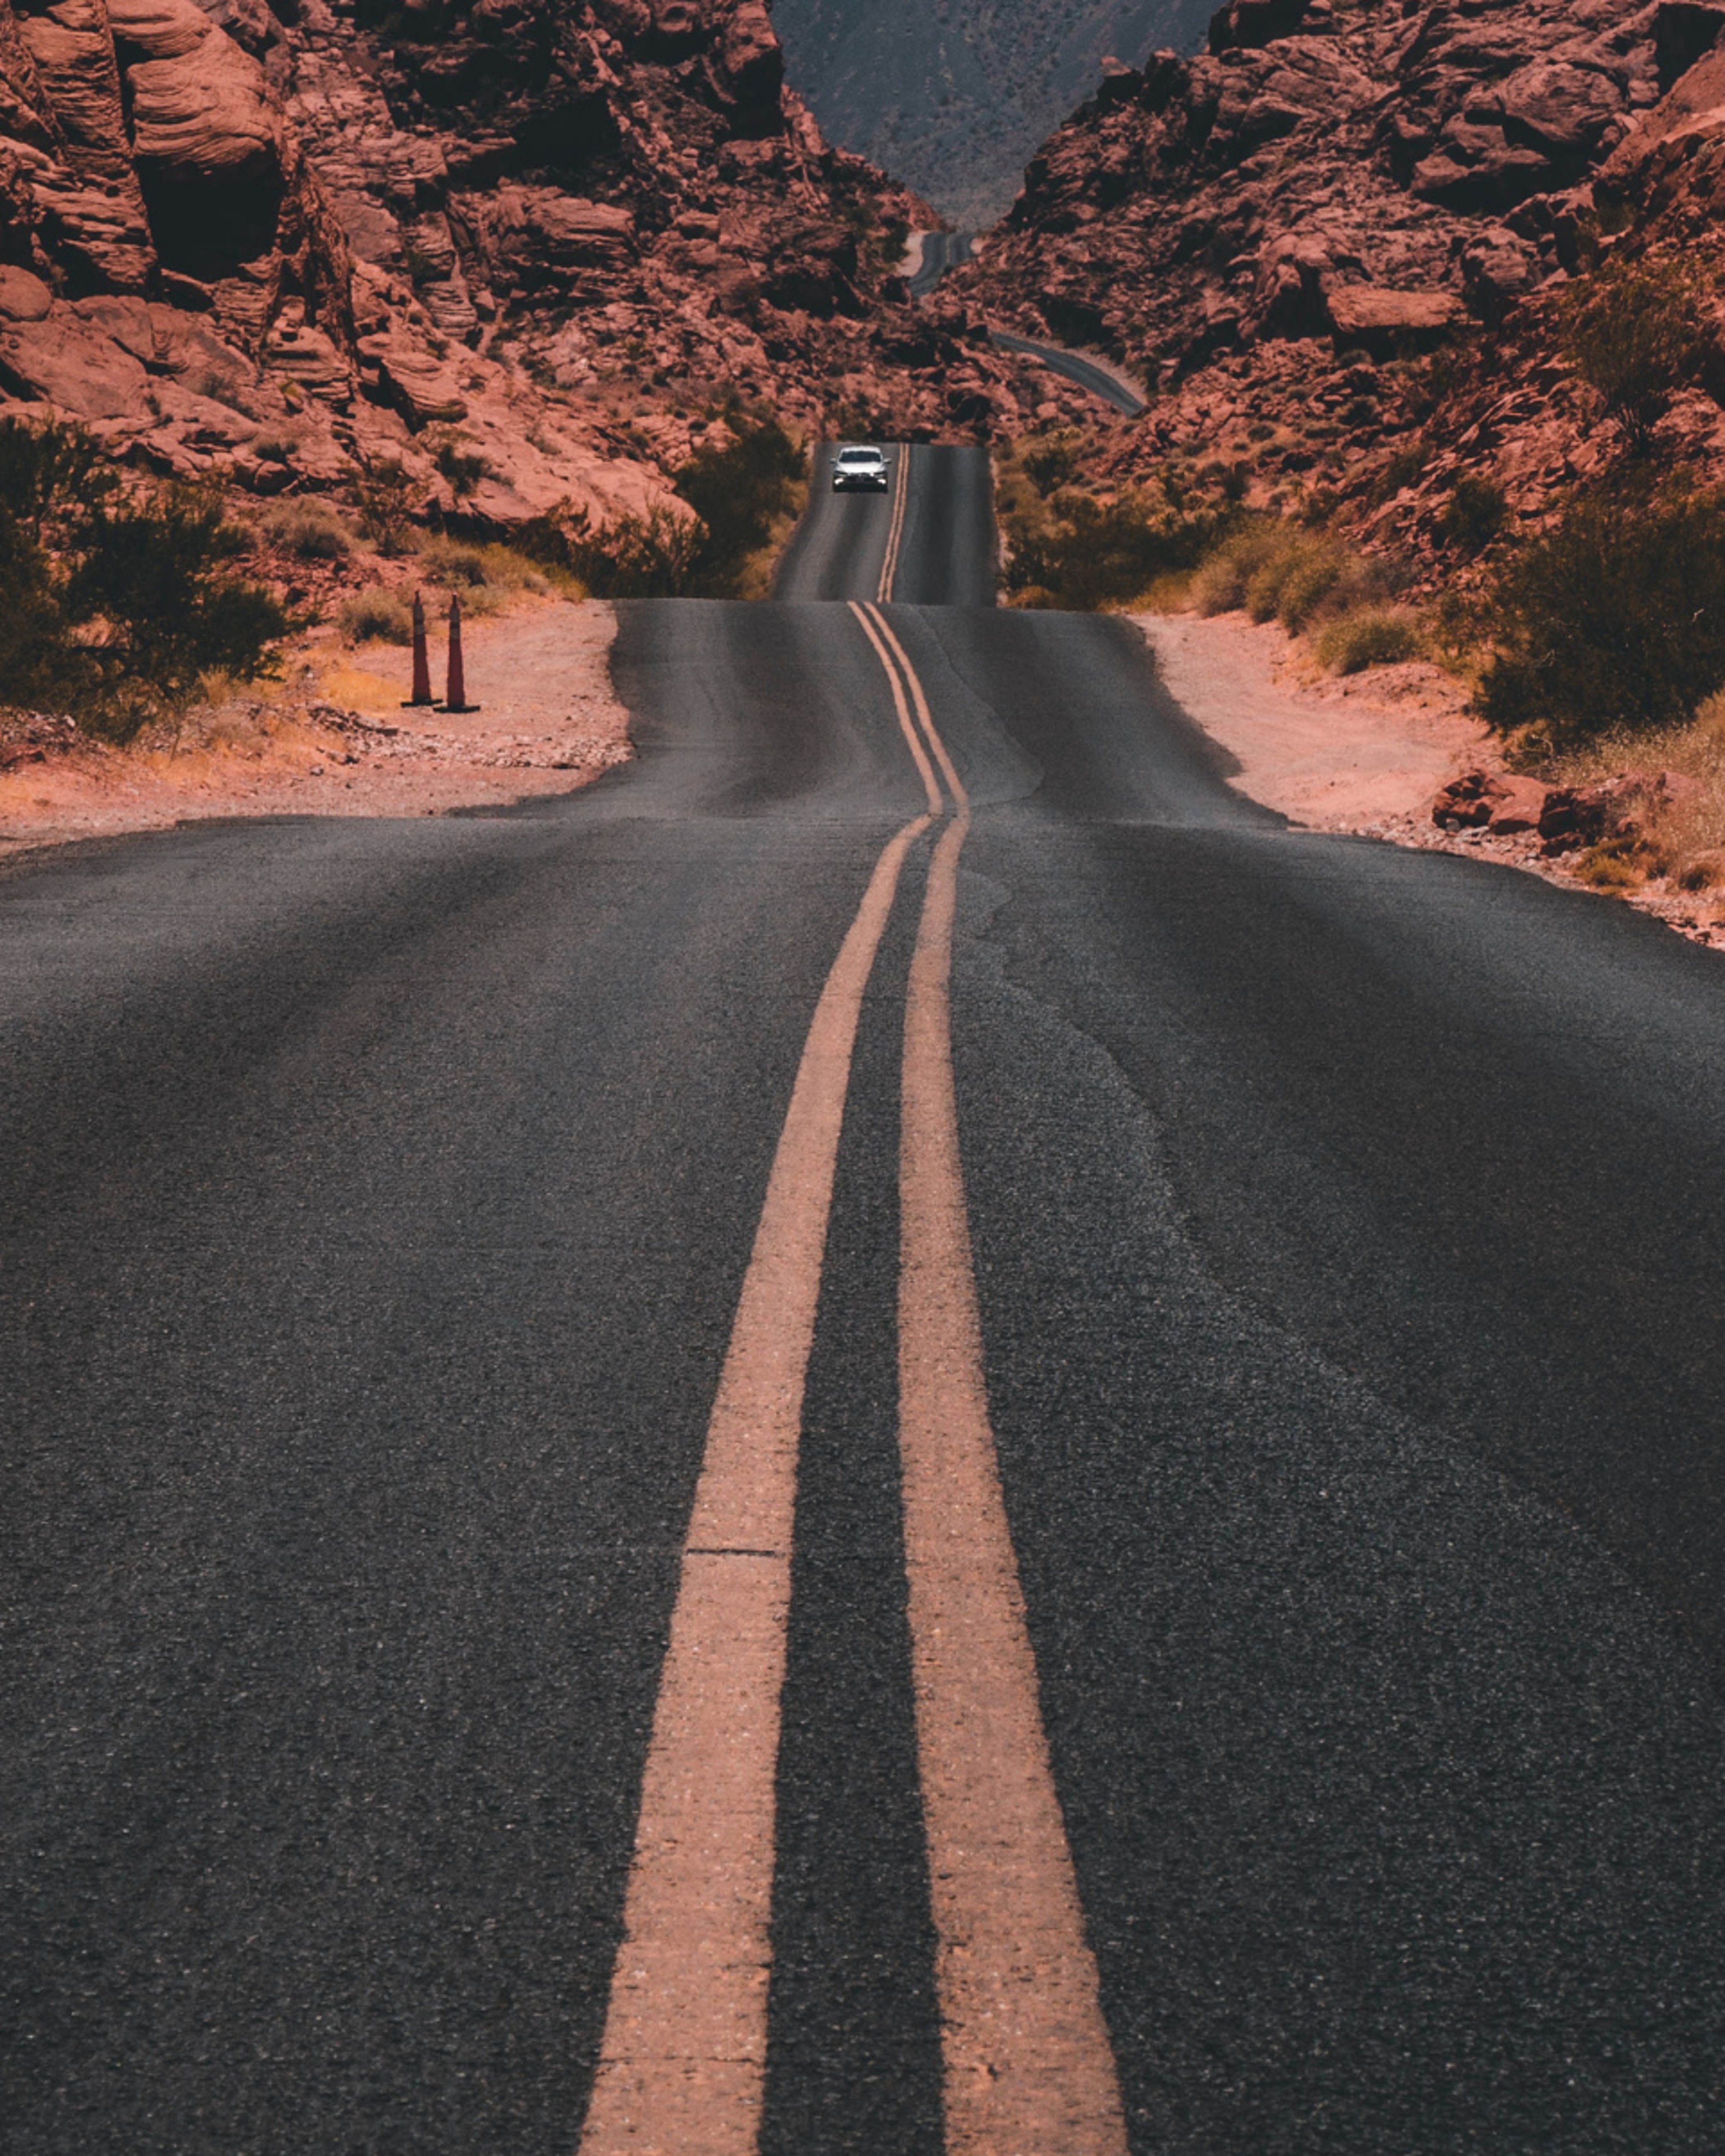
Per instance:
(276,241)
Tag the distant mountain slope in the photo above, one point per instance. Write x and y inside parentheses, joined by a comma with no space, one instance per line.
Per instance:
(952,96)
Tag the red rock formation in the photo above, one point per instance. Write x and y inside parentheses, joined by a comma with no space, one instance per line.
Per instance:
(1273,233)
(273,239)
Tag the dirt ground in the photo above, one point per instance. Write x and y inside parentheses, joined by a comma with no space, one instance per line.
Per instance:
(1365,753)
(333,740)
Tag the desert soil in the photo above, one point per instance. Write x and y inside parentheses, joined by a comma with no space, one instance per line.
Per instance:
(333,740)
(1366,753)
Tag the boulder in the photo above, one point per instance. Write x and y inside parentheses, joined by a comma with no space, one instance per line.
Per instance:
(1379,319)
(23,298)
(59,361)
(1499,801)
(1465,802)
(1625,806)
(1517,805)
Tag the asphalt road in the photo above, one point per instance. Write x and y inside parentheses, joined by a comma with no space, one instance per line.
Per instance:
(1100,382)
(376,1199)
(942,251)
(941,536)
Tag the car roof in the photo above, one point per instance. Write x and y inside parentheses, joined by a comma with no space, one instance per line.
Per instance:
(854,451)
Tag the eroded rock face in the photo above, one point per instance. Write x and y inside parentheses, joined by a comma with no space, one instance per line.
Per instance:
(347,231)
(1280,234)
(1322,148)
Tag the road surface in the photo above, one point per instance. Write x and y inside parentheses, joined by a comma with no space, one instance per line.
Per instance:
(1238,1518)
(932,534)
(1103,382)
(942,251)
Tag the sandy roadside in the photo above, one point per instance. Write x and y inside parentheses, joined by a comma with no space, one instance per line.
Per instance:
(333,740)
(1364,754)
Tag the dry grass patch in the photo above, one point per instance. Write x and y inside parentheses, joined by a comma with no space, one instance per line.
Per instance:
(1682,837)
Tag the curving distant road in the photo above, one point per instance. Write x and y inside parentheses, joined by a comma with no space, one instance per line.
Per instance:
(942,251)
(1100,381)
(1056,1448)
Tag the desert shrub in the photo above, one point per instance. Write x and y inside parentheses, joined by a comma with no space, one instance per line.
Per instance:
(650,557)
(1634,332)
(447,560)
(1375,636)
(1224,574)
(743,490)
(1615,620)
(115,604)
(484,572)
(1295,576)
(1050,461)
(385,499)
(157,612)
(1474,514)
(1401,470)
(1082,554)
(1312,577)
(310,529)
(464,469)
(1607,868)
(375,617)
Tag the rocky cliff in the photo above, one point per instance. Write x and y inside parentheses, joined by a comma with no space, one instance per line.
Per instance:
(513,244)
(1334,241)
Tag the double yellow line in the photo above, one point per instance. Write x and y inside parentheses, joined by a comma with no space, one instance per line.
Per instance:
(896,529)
(1029,2069)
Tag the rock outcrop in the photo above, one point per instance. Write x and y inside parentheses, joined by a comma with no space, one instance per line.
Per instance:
(1334,242)
(505,244)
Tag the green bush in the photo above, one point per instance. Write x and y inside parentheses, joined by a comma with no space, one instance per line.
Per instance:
(310,530)
(375,617)
(1376,636)
(1225,575)
(114,605)
(741,491)
(385,499)
(1087,554)
(1051,461)
(448,561)
(464,469)
(1634,332)
(1615,620)
(1474,514)
(1314,576)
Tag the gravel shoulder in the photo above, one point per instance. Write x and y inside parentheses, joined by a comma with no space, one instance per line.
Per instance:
(333,739)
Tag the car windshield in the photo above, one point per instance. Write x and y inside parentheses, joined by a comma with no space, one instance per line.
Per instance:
(860,457)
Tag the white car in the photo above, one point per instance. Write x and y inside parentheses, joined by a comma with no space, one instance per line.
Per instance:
(861,469)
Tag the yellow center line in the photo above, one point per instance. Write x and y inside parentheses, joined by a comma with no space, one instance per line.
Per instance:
(1029,2068)
(896,530)
(949,771)
(925,769)
(683,2060)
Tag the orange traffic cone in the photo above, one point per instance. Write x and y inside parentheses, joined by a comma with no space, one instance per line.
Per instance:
(456,698)
(422,659)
